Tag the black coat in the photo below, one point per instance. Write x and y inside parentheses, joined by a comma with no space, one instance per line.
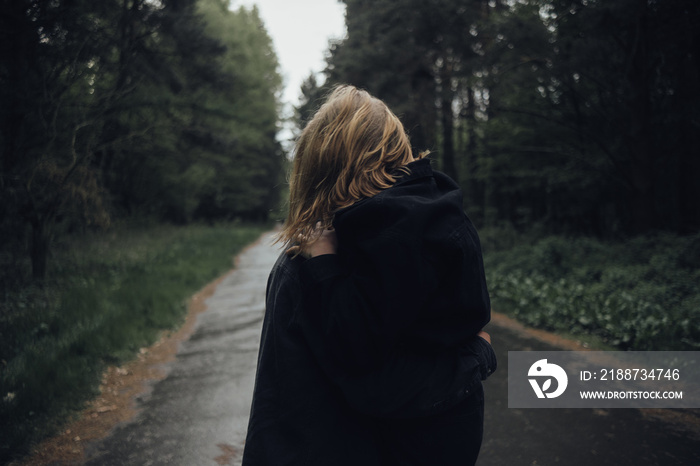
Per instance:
(384,329)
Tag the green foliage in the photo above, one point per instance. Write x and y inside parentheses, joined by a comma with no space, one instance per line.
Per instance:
(111,295)
(639,295)
(245,166)
(124,108)
(579,116)
(311,100)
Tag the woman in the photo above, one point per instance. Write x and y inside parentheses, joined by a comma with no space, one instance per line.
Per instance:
(372,351)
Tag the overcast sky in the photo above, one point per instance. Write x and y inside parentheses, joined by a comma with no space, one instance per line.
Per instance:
(300,30)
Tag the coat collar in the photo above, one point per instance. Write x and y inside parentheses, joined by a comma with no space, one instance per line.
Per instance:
(418,169)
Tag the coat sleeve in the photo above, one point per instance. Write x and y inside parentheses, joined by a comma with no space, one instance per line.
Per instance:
(353,320)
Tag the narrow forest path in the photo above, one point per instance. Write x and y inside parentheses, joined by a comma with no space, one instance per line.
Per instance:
(198,414)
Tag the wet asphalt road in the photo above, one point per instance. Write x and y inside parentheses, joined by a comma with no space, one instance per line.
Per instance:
(198,414)
(573,437)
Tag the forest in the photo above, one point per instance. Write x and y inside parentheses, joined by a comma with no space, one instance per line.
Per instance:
(139,149)
(578,116)
(128,109)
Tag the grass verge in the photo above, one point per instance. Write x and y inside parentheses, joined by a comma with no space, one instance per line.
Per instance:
(108,296)
(641,294)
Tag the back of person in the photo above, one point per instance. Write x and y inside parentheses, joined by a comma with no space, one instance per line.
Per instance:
(372,350)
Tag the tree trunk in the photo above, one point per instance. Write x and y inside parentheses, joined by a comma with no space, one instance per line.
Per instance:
(447,120)
(689,142)
(448,149)
(40,244)
(642,172)
(473,186)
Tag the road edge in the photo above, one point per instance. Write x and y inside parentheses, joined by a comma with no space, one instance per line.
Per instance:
(122,387)
(680,421)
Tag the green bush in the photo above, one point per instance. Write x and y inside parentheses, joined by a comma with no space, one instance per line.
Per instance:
(638,295)
(109,295)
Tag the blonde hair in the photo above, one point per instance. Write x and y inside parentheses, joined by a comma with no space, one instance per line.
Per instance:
(352,148)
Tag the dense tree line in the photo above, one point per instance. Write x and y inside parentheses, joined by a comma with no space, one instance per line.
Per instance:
(573,115)
(132,108)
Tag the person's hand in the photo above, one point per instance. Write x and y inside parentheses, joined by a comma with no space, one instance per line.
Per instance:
(326,242)
(485,336)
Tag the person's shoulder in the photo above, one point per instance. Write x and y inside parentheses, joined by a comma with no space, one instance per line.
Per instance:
(287,267)
(284,279)
(422,188)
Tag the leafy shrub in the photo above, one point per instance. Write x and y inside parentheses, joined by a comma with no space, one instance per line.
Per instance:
(638,295)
